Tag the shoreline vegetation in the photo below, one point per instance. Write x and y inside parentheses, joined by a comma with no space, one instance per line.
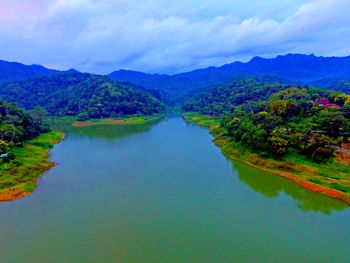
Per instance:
(19,177)
(328,179)
(132,119)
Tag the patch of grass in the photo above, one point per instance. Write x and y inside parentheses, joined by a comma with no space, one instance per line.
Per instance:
(29,164)
(130,119)
(43,144)
(29,187)
(204,120)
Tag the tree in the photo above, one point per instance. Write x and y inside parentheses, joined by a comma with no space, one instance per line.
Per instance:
(83,116)
(11,133)
(320,148)
(341,99)
(16,125)
(330,121)
(279,107)
(346,111)
(347,102)
(38,115)
(278,145)
(3,147)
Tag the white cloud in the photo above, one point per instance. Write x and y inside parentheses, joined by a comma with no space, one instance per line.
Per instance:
(168,36)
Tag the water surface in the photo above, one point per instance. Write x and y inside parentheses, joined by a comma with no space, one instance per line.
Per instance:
(163,192)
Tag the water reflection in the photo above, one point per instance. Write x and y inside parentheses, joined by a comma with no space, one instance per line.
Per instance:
(271,186)
(107,131)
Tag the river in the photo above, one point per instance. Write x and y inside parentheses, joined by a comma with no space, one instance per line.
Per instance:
(163,192)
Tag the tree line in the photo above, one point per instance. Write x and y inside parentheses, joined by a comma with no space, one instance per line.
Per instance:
(86,95)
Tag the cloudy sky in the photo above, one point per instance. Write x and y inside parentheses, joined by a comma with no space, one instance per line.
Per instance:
(168,36)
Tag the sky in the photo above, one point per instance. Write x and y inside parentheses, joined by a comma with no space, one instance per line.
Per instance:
(163,36)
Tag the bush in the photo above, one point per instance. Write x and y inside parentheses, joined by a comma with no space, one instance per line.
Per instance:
(10,156)
(3,147)
(83,116)
(340,187)
(316,181)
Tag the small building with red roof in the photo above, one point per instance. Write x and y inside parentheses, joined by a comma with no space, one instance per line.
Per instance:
(324,102)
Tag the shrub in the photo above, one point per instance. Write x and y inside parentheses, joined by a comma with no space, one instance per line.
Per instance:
(83,116)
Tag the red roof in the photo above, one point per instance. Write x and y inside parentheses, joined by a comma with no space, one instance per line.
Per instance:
(322,101)
(332,105)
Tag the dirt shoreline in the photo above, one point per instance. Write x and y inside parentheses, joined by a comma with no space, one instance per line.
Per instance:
(12,194)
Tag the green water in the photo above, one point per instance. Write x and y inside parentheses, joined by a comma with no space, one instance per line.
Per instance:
(163,192)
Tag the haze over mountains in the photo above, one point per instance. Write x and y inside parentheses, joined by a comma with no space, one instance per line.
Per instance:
(305,68)
(328,72)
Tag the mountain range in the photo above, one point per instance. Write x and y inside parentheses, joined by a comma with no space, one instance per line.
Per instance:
(327,72)
(308,69)
(11,71)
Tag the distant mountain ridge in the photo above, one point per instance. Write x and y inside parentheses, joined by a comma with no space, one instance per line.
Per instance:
(327,72)
(13,71)
(295,67)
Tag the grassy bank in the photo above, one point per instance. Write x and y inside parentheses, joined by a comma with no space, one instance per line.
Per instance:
(331,178)
(19,176)
(133,119)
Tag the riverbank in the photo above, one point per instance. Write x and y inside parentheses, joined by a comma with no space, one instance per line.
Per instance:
(19,176)
(108,121)
(331,179)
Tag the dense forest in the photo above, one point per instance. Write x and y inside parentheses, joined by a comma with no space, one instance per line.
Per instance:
(275,120)
(222,100)
(86,95)
(293,120)
(17,125)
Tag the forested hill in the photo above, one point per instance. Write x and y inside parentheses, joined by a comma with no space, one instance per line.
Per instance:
(223,99)
(248,94)
(11,71)
(305,68)
(92,96)
(333,84)
(309,122)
